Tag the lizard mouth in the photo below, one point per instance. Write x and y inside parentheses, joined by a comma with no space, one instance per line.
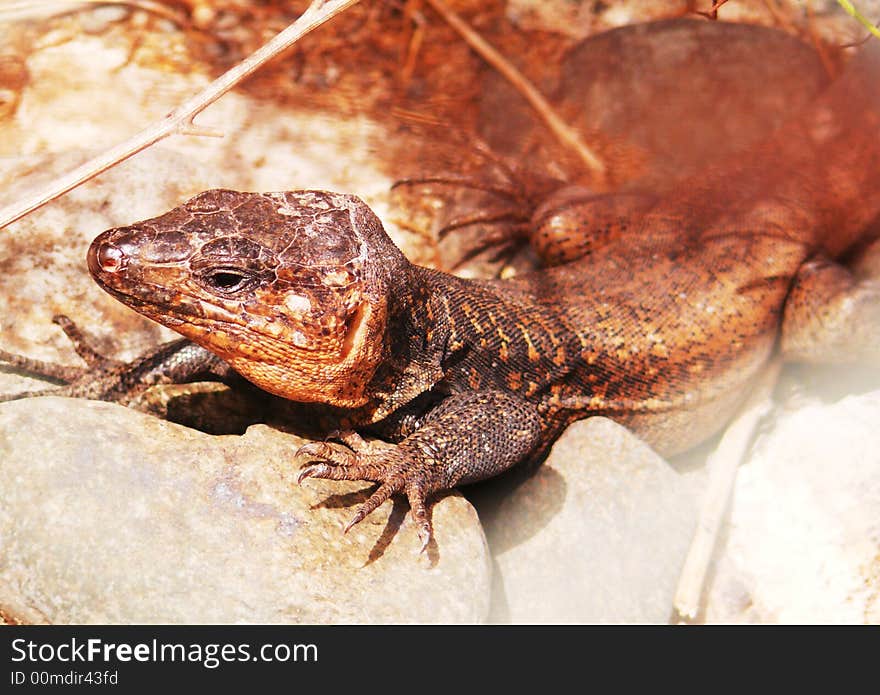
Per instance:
(111,267)
(210,321)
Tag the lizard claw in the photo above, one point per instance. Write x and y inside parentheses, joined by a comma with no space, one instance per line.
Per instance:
(389,467)
(327,453)
(309,471)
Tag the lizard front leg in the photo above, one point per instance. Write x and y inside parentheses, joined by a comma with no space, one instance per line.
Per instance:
(107,379)
(467,437)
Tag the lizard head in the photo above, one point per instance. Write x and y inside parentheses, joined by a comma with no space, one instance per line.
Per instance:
(291,289)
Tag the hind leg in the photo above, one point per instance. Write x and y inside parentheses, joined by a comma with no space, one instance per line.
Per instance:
(832,314)
(574,222)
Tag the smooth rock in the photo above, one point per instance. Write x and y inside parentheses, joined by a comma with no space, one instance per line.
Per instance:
(112,516)
(597,535)
(803,541)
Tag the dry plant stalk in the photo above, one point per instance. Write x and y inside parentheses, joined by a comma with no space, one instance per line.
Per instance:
(854,12)
(722,465)
(180,120)
(567,135)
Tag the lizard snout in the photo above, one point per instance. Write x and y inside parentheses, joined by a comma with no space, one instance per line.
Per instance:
(106,257)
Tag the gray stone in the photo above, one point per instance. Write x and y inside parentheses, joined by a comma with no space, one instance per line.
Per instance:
(803,541)
(112,516)
(598,535)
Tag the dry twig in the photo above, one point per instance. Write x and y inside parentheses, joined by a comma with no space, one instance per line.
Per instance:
(180,120)
(722,465)
(567,135)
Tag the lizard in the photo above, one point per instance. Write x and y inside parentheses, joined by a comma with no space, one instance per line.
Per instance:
(662,325)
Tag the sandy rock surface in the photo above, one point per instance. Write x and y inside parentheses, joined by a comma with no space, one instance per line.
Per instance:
(802,539)
(113,516)
(598,535)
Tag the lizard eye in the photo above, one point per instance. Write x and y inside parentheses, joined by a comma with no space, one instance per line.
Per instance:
(228,280)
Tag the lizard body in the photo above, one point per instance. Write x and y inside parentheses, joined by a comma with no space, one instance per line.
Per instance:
(662,326)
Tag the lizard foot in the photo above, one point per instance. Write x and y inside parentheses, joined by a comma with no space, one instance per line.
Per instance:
(107,379)
(467,437)
(397,469)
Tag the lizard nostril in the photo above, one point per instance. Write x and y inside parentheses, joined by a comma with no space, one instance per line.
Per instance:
(111,259)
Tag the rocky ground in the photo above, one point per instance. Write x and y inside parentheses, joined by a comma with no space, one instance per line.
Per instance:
(112,515)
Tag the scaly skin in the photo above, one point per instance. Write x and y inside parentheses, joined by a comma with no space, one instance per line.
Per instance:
(662,327)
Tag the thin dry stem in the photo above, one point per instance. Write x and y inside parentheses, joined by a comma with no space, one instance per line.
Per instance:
(181,119)
(722,465)
(567,135)
(712,13)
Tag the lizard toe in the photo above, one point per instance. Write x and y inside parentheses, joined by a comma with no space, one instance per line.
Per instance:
(413,488)
(349,438)
(382,493)
(337,462)
(328,471)
(327,453)
(419,511)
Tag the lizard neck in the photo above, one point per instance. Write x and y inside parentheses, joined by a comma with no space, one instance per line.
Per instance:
(417,341)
